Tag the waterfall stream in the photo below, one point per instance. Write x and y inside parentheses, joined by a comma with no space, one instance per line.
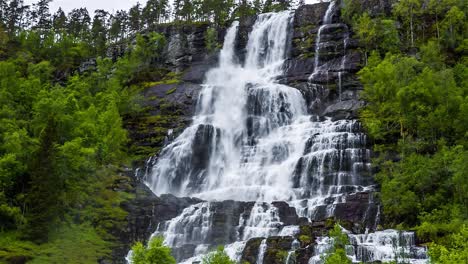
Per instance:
(253,140)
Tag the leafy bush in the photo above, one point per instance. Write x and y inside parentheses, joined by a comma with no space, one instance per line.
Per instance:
(155,253)
(217,257)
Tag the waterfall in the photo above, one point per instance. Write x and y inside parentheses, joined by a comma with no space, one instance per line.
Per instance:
(263,222)
(327,19)
(261,251)
(382,246)
(254,141)
(252,138)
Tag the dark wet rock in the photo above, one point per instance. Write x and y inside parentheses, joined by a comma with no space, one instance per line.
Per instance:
(303,255)
(277,249)
(251,249)
(245,27)
(286,213)
(310,14)
(197,71)
(226,220)
(186,44)
(343,110)
(145,212)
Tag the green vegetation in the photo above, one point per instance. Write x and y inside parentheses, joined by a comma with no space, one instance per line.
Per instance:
(156,252)
(62,141)
(337,253)
(211,39)
(417,93)
(305,239)
(217,257)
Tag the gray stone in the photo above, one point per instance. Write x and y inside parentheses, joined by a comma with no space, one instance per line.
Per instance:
(343,109)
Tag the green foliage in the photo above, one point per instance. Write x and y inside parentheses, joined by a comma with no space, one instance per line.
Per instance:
(217,257)
(338,252)
(211,39)
(416,117)
(338,256)
(156,252)
(455,252)
(377,34)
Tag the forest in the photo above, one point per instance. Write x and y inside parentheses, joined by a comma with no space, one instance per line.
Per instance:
(63,143)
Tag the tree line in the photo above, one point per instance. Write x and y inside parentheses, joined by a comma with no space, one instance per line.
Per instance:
(103,26)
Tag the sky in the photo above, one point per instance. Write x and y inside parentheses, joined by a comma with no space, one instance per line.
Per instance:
(91,5)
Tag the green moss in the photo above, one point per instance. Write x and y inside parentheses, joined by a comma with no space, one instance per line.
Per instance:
(305,239)
(282,255)
(171,91)
(305,230)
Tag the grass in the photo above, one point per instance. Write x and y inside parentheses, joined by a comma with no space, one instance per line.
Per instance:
(84,235)
(68,244)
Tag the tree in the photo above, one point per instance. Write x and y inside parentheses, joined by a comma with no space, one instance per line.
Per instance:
(156,252)
(59,21)
(454,27)
(99,32)
(118,26)
(135,19)
(337,253)
(15,14)
(367,32)
(407,11)
(41,16)
(456,252)
(79,23)
(217,257)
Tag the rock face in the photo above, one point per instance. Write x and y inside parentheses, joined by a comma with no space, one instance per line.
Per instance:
(185,44)
(323,63)
(144,215)
(331,90)
(278,249)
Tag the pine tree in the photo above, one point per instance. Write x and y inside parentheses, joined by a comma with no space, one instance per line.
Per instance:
(59,21)
(78,23)
(16,16)
(134,19)
(99,32)
(41,16)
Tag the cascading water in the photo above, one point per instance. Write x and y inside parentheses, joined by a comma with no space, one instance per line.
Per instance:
(253,139)
(382,246)
(327,19)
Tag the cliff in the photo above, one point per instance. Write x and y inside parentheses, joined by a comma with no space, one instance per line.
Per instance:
(322,62)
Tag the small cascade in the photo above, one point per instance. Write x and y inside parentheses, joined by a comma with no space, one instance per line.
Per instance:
(291,259)
(323,245)
(381,246)
(261,251)
(191,227)
(263,222)
(386,246)
(327,20)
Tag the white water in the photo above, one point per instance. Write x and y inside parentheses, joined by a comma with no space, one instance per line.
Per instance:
(256,132)
(261,251)
(385,246)
(327,19)
(253,139)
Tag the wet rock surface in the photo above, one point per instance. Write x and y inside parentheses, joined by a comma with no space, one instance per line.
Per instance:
(334,94)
